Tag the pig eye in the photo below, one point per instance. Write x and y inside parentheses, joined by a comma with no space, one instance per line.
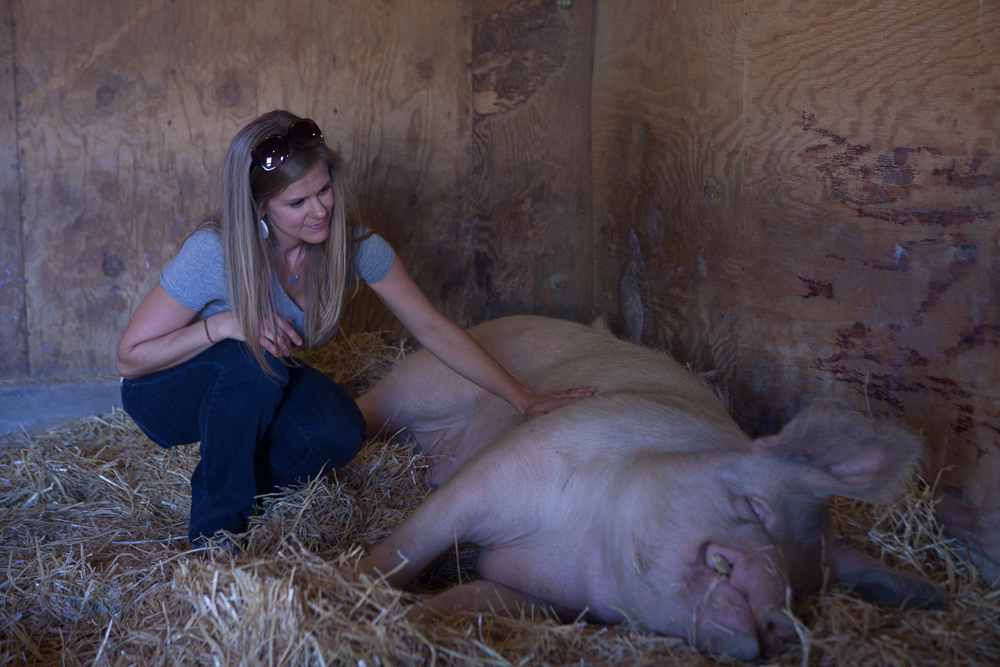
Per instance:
(721,565)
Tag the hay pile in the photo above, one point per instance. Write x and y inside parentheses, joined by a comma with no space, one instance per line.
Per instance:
(93,570)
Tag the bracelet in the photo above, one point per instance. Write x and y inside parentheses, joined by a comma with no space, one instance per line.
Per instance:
(206,331)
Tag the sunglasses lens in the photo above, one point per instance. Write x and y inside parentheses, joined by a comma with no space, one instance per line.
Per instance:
(270,152)
(306,133)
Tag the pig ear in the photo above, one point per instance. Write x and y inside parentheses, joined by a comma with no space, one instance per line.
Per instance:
(847,454)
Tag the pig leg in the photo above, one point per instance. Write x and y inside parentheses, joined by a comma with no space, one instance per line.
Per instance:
(449,417)
(879,583)
(414,545)
(481,595)
(451,515)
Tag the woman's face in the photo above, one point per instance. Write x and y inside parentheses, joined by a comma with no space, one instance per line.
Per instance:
(302,211)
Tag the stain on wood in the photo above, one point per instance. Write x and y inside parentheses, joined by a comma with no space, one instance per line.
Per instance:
(519,46)
(879,176)
(853,253)
(530,183)
(884,187)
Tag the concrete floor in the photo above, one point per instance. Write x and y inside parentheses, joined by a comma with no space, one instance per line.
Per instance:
(32,406)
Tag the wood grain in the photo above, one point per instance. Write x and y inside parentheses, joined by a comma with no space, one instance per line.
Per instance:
(120,147)
(667,137)
(852,253)
(390,86)
(531,238)
(872,182)
(125,124)
(13,318)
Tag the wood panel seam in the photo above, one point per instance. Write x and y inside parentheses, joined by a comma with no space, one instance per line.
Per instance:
(19,216)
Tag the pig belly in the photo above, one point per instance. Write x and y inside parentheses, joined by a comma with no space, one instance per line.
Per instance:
(447,416)
(446,450)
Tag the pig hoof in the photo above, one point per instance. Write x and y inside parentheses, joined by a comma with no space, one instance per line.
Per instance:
(897,589)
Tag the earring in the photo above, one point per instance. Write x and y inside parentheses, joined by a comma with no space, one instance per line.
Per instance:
(263,224)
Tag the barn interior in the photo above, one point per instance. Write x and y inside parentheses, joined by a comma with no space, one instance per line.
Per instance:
(802,197)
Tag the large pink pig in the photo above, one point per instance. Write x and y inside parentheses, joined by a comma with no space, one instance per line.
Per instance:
(644,502)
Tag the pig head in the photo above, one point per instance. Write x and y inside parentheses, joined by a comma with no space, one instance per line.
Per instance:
(645,502)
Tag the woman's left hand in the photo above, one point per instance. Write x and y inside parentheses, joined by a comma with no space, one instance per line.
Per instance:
(540,405)
(278,336)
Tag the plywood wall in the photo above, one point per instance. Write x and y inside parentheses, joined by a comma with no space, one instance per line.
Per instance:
(806,196)
(13,320)
(531,212)
(802,195)
(113,124)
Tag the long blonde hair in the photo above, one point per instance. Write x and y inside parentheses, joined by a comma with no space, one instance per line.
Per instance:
(246,190)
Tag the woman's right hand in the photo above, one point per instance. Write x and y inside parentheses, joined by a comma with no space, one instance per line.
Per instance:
(277,335)
(162,334)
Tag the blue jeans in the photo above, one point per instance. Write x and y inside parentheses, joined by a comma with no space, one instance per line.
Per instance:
(258,434)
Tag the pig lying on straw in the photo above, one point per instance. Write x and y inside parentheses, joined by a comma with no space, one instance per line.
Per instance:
(645,502)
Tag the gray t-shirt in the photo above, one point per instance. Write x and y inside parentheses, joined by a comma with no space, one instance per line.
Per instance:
(196,277)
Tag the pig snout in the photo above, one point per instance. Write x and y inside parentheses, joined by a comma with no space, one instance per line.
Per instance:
(743,611)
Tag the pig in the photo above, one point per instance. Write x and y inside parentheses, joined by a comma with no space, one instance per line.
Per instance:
(644,503)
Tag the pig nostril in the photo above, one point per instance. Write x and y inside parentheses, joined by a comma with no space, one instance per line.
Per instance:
(774,628)
(721,565)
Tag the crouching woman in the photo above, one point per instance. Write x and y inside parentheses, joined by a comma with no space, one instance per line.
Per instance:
(204,358)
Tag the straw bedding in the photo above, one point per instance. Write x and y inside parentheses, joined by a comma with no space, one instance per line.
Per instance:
(93,570)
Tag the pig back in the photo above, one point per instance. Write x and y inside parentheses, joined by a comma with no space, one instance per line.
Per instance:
(549,355)
(644,398)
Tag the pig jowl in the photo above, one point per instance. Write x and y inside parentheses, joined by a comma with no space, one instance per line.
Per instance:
(645,502)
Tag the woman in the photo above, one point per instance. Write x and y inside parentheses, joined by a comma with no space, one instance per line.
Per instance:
(203,356)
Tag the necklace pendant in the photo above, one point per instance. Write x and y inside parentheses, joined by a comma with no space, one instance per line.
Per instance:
(293,280)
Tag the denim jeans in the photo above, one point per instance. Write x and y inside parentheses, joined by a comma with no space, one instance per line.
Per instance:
(258,434)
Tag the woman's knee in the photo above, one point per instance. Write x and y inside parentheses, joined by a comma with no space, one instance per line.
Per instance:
(236,358)
(331,430)
(318,427)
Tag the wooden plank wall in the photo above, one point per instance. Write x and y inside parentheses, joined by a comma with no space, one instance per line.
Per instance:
(806,197)
(801,195)
(13,321)
(442,110)
(667,142)
(531,217)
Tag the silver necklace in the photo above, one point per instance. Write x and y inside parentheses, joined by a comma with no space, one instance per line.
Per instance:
(293,280)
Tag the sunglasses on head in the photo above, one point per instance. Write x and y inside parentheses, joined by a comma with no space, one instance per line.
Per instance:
(272,150)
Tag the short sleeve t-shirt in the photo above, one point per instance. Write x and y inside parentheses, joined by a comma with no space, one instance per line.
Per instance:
(196,278)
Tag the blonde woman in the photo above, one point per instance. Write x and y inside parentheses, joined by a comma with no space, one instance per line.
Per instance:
(203,357)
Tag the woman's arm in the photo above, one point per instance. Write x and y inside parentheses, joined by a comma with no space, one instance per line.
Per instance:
(162,334)
(458,350)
